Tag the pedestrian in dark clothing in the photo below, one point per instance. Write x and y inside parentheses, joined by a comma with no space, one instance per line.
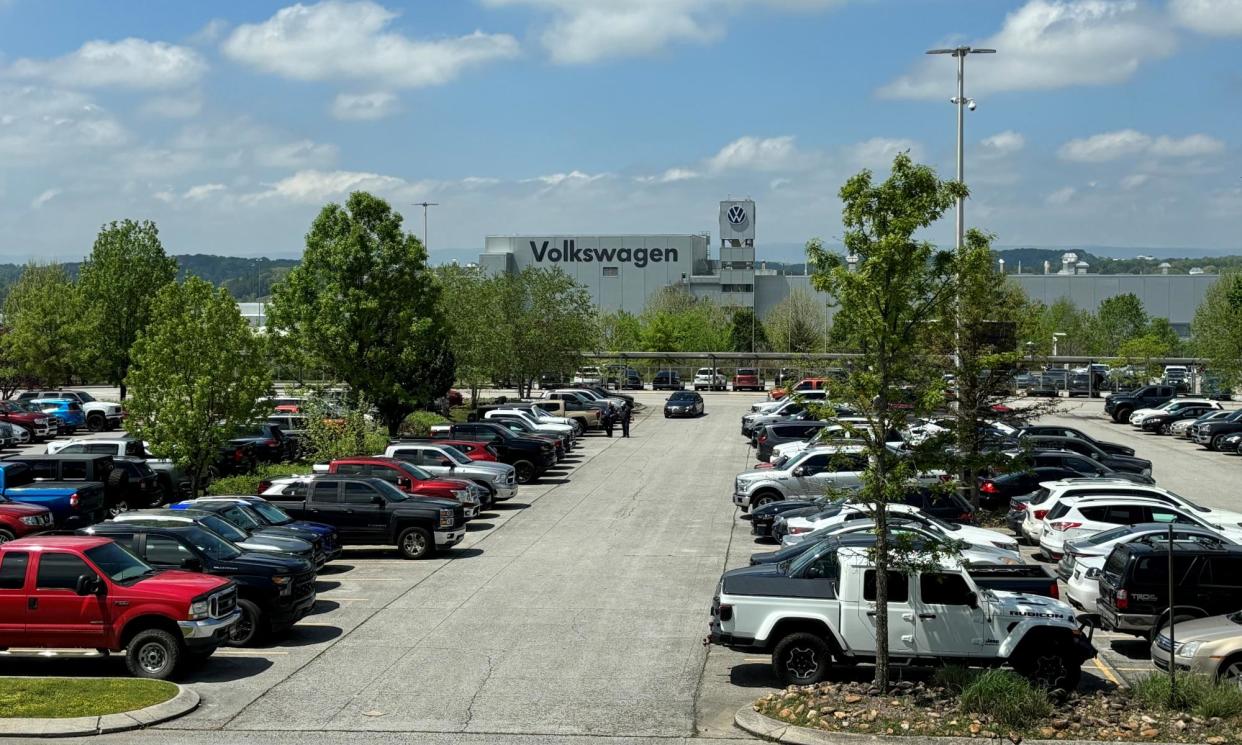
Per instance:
(625,422)
(610,421)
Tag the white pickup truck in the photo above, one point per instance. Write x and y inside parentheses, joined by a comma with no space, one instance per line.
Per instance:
(821,608)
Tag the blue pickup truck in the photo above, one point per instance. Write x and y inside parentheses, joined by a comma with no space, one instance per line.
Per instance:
(72,503)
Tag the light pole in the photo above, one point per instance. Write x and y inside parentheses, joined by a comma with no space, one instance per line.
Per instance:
(962,103)
(1055,336)
(425,205)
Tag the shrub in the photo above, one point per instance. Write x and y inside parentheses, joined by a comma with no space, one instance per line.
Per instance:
(1007,697)
(954,678)
(1198,694)
(419,424)
(332,433)
(248,484)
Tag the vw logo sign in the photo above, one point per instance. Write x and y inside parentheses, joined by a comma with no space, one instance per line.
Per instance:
(737,218)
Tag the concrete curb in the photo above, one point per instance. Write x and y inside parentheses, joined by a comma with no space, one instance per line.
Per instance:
(183,703)
(774,730)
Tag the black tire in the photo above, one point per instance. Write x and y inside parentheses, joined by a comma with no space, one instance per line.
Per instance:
(1165,429)
(801,659)
(1051,667)
(154,654)
(6,536)
(1216,442)
(524,471)
(251,628)
(416,543)
(167,493)
(97,422)
(1230,671)
(1122,414)
(765,497)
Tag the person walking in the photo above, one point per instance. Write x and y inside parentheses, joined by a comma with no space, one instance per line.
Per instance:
(625,421)
(610,419)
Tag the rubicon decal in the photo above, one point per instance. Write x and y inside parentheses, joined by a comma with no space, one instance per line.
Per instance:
(569,252)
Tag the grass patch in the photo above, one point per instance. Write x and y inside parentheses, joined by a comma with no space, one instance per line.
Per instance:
(1198,694)
(1009,698)
(74,697)
(954,678)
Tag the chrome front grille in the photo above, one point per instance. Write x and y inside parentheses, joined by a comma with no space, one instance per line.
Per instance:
(223,603)
(1164,643)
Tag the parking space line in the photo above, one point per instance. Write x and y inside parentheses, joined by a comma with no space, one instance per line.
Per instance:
(1107,672)
(250,653)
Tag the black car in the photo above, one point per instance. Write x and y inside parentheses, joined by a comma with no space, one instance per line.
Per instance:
(1123,463)
(762,517)
(1120,405)
(683,403)
(779,433)
(1083,465)
(1162,422)
(1057,430)
(269,443)
(667,380)
(274,592)
(260,541)
(998,491)
(1211,433)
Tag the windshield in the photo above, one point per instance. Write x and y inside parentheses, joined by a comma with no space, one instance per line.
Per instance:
(1236,617)
(238,516)
(682,396)
(271,513)
(808,557)
(211,544)
(118,563)
(418,473)
(539,411)
(1108,535)
(939,523)
(390,492)
(455,455)
(226,529)
(85,397)
(1189,503)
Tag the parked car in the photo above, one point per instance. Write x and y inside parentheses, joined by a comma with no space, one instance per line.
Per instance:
(35,421)
(807,623)
(68,412)
(263,542)
(173,481)
(371,512)
(564,433)
(561,443)
(267,441)
(944,511)
(475,451)
(123,491)
(1057,430)
(811,473)
(1161,422)
(446,461)
(1138,415)
(997,491)
(101,416)
(926,531)
(710,379)
(1211,434)
(683,404)
(19,520)
(667,380)
(72,503)
(1073,519)
(1206,646)
(412,480)
(1120,405)
(529,457)
(1184,428)
(588,376)
(748,379)
(1085,466)
(779,433)
(802,386)
(160,620)
(1124,463)
(257,515)
(624,377)
(274,591)
(1134,585)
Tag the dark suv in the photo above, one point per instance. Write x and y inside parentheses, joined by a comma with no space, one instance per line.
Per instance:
(667,380)
(1134,584)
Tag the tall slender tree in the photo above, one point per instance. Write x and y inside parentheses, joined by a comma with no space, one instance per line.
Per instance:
(43,338)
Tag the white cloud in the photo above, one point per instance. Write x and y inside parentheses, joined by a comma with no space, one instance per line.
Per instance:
(878,152)
(300,154)
(43,125)
(364,106)
(1049,44)
(756,154)
(1062,196)
(202,191)
(583,31)
(1215,17)
(210,33)
(1134,181)
(44,198)
(335,40)
(1123,143)
(173,107)
(572,178)
(1003,143)
(317,187)
(670,176)
(129,63)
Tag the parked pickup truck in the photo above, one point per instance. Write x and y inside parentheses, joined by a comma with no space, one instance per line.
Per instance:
(372,512)
(529,457)
(71,503)
(19,520)
(821,608)
(1120,405)
(122,490)
(100,415)
(172,480)
(161,620)
(410,479)
(274,591)
(446,461)
(36,422)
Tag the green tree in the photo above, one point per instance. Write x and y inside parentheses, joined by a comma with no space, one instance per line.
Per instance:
(549,320)
(899,283)
(799,323)
(677,321)
(746,332)
(467,296)
(1162,329)
(364,304)
(1143,351)
(197,372)
(117,283)
(1118,318)
(619,331)
(1217,328)
(44,338)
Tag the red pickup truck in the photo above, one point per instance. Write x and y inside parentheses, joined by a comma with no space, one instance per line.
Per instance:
(18,520)
(84,592)
(412,480)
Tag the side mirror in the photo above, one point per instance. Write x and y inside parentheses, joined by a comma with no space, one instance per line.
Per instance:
(799,471)
(378,501)
(192,564)
(402,482)
(447,463)
(972,599)
(87,584)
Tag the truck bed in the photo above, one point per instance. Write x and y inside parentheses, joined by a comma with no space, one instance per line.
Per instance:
(1029,579)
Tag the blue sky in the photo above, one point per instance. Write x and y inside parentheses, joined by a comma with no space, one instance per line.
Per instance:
(1100,122)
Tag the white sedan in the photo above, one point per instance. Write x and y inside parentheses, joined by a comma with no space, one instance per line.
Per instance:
(800,527)
(971,553)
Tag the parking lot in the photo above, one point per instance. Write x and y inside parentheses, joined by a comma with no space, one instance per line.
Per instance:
(577,610)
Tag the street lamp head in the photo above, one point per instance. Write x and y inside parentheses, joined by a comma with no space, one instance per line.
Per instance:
(970,104)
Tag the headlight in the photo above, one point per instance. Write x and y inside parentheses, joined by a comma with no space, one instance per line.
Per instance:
(199,610)
(1006,546)
(1188,649)
(446,518)
(33,520)
(1009,561)
(284,582)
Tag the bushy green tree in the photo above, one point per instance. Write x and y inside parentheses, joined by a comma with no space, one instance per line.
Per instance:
(677,321)
(548,321)
(364,304)
(1217,327)
(43,341)
(468,299)
(196,373)
(747,332)
(117,284)
(799,323)
(1118,318)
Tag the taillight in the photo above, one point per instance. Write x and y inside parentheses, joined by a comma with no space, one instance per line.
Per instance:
(988,487)
(1063,525)
(238,455)
(1017,506)
(1039,514)
(726,612)
(74,500)
(1122,600)
(271,443)
(798,531)
(965,517)
(264,485)
(1054,592)
(945,478)
(763,438)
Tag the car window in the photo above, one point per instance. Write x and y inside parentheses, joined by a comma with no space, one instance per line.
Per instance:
(324,491)
(1154,570)
(391,475)
(938,588)
(359,493)
(166,551)
(1094,514)
(1127,514)
(42,469)
(352,468)
(98,449)
(1166,515)
(898,586)
(1222,570)
(60,571)
(814,464)
(13,570)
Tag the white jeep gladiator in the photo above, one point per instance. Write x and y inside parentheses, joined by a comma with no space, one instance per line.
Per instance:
(820,608)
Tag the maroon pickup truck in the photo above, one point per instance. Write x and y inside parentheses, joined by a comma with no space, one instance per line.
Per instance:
(38,424)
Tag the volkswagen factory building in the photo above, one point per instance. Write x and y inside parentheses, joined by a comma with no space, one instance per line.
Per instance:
(623,271)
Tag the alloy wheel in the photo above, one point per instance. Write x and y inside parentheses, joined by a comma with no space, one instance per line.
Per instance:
(153,658)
